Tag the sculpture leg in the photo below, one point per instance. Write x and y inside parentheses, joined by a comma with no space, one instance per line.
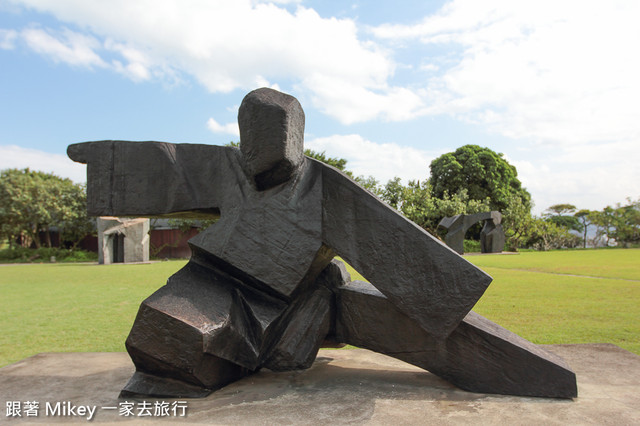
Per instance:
(309,322)
(198,333)
(303,331)
(478,356)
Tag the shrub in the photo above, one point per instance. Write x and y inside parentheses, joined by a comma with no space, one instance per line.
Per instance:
(472,246)
(44,254)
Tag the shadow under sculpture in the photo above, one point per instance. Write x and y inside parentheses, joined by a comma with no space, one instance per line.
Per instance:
(261,288)
(491,235)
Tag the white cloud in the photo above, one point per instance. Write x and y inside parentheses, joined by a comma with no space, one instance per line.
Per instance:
(230,128)
(277,1)
(588,175)
(560,79)
(137,67)
(383,161)
(15,157)
(69,47)
(561,72)
(563,75)
(350,102)
(229,45)
(7,38)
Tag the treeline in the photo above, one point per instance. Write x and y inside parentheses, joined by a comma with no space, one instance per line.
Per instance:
(619,223)
(469,180)
(473,179)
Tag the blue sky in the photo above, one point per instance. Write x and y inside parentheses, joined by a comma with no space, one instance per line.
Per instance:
(552,85)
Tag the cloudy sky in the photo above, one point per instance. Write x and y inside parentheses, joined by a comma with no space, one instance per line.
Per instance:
(553,85)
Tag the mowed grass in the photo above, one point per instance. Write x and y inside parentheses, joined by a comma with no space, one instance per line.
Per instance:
(84,307)
(72,307)
(605,263)
(578,296)
(534,295)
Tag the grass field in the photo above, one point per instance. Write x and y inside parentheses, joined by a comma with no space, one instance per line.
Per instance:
(607,263)
(72,307)
(84,307)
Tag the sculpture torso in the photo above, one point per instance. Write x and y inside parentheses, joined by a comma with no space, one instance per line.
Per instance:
(272,237)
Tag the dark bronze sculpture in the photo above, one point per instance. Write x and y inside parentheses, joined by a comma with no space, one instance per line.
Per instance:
(491,236)
(261,288)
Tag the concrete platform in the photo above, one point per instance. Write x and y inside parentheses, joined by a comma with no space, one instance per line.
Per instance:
(343,386)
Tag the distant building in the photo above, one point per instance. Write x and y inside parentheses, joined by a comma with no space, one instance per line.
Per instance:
(122,240)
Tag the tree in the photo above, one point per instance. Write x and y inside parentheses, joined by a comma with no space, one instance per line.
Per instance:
(546,235)
(626,221)
(517,222)
(560,214)
(370,184)
(561,209)
(605,223)
(393,193)
(620,223)
(417,205)
(482,172)
(338,163)
(32,202)
(71,216)
(584,216)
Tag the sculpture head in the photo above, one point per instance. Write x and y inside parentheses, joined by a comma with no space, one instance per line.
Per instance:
(271,136)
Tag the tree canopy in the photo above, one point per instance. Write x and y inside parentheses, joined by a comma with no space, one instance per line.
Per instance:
(32,202)
(562,216)
(482,172)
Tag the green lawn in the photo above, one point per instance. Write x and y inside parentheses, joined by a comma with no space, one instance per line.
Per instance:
(607,263)
(576,296)
(72,307)
(82,307)
(532,295)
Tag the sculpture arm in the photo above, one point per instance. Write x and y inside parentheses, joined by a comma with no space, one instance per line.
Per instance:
(422,277)
(155,179)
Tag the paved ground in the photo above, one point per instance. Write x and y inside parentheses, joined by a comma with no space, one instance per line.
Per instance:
(343,386)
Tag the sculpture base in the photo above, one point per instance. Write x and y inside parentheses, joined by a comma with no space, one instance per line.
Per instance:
(342,386)
(141,385)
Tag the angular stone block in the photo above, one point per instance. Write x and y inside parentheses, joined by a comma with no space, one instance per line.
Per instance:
(491,237)
(271,136)
(421,276)
(479,356)
(261,290)
(202,328)
(304,330)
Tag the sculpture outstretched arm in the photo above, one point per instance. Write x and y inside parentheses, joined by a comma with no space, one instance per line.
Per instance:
(153,178)
(421,276)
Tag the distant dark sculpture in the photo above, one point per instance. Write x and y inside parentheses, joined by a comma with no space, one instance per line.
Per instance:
(491,236)
(261,288)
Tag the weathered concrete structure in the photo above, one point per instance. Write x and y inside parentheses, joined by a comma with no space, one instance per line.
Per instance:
(491,236)
(122,240)
(261,289)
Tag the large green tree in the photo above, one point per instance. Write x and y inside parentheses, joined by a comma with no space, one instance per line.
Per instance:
(482,172)
(32,202)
